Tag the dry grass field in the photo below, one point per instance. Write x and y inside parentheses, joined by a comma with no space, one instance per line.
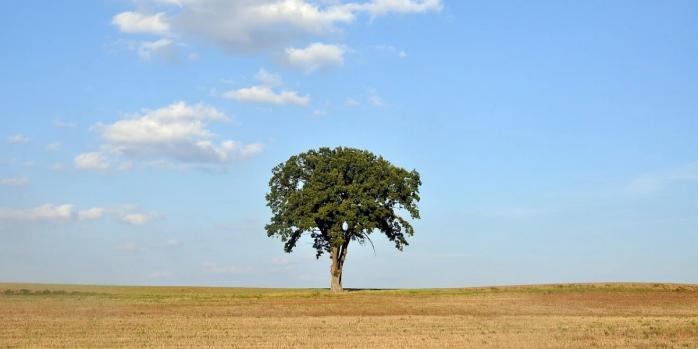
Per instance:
(546,316)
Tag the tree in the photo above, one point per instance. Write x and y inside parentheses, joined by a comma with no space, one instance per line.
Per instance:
(338,196)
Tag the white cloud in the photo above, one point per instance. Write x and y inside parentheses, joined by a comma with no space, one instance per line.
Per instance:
(63,124)
(177,132)
(265,94)
(137,218)
(45,212)
(91,213)
(383,7)
(134,22)
(315,56)
(15,182)
(18,139)
(249,150)
(54,146)
(655,182)
(165,49)
(253,25)
(351,102)
(375,100)
(91,161)
(391,50)
(266,78)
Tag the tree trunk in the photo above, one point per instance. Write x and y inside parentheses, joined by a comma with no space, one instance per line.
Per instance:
(335,271)
(338,255)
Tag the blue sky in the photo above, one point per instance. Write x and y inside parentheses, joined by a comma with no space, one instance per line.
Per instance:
(556,140)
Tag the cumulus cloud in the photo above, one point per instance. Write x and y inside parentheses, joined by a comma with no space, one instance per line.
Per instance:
(18,139)
(268,79)
(135,22)
(137,218)
(129,214)
(264,92)
(91,161)
(15,182)
(163,48)
(315,56)
(177,132)
(383,7)
(45,212)
(253,25)
(91,214)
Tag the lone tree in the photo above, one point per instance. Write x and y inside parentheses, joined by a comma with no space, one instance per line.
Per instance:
(338,196)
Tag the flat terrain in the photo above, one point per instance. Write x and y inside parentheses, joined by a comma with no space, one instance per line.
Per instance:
(544,316)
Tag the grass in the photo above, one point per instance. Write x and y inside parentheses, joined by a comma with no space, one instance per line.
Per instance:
(540,316)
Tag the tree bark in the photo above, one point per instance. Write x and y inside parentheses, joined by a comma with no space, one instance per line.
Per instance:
(335,271)
(338,255)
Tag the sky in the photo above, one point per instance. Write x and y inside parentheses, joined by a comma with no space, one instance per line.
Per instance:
(556,140)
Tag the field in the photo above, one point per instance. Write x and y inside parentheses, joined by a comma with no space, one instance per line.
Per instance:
(543,316)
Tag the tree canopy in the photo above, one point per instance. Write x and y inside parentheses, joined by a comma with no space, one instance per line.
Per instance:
(341,195)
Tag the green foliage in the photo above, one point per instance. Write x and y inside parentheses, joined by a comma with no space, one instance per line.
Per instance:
(316,192)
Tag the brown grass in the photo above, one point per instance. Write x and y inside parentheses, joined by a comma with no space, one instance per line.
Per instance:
(544,316)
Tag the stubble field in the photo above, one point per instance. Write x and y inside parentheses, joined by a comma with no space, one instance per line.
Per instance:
(544,316)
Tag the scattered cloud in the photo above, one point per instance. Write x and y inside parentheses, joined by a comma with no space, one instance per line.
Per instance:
(375,100)
(67,212)
(91,214)
(137,218)
(18,139)
(351,102)
(163,48)
(249,26)
(314,57)
(249,150)
(135,22)
(266,78)
(177,132)
(45,212)
(62,124)
(391,50)
(54,146)
(91,161)
(318,113)
(265,94)
(15,182)
(655,182)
